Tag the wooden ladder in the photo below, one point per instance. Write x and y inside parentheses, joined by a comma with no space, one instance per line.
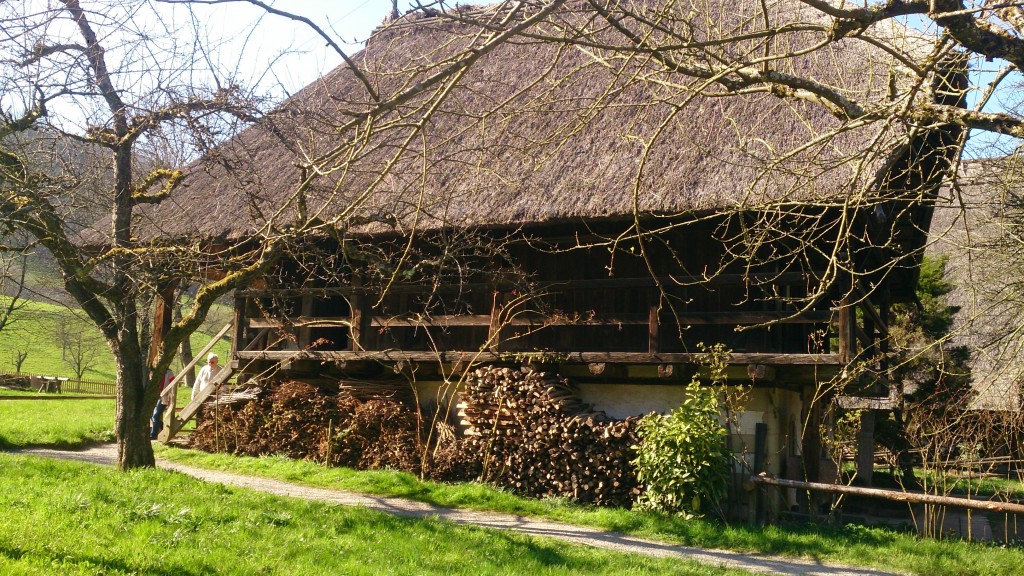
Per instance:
(173,423)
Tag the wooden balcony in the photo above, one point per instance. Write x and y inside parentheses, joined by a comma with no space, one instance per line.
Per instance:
(609,320)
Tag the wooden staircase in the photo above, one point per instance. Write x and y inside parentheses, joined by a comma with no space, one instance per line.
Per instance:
(174,422)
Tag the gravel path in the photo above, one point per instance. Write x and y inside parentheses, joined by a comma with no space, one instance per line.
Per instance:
(757,563)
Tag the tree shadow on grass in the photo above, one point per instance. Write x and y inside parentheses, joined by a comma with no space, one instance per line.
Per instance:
(104,564)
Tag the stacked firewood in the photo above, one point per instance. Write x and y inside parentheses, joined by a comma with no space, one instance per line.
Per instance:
(361,426)
(366,390)
(538,437)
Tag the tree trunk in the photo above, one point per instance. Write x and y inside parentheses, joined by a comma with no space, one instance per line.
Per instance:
(134,409)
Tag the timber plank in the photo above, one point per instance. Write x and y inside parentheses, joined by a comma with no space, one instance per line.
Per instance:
(581,357)
(538,320)
(582,284)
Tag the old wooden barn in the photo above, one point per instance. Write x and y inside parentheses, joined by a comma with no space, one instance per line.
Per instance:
(579,212)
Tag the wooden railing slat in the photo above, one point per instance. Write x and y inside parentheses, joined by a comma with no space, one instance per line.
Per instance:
(196,358)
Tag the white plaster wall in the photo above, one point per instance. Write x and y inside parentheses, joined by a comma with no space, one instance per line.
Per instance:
(774,407)
(622,400)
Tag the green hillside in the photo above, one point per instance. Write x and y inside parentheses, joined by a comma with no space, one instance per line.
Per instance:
(37,328)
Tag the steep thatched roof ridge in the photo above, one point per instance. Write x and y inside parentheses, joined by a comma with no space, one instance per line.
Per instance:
(970,229)
(534,132)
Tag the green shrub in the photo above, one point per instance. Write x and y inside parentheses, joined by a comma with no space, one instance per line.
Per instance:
(682,459)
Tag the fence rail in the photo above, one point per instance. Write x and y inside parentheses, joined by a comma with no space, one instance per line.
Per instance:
(59,384)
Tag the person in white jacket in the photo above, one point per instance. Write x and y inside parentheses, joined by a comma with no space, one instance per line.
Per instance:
(206,374)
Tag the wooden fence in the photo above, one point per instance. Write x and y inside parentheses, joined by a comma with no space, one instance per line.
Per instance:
(58,384)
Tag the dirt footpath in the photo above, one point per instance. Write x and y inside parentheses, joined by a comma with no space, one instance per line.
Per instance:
(760,564)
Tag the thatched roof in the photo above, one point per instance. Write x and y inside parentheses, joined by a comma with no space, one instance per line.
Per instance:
(533,133)
(969,228)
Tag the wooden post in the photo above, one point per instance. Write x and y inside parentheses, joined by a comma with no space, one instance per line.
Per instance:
(162,316)
(760,456)
(866,447)
(883,313)
(653,321)
(239,333)
(844,328)
(305,311)
(359,316)
(494,329)
(811,436)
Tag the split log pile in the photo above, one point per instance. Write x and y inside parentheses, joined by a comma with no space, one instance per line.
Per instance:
(538,437)
(238,396)
(358,425)
(287,418)
(365,390)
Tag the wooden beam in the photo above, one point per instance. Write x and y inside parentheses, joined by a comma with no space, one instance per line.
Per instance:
(302,322)
(538,320)
(866,447)
(787,278)
(162,317)
(865,402)
(894,495)
(306,311)
(494,325)
(578,357)
(359,316)
(844,328)
(866,305)
(240,323)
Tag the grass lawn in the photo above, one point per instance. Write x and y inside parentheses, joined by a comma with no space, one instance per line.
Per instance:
(58,423)
(36,328)
(859,546)
(854,545)
(73,518)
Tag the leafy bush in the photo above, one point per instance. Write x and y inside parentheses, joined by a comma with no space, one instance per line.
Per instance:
(682,459)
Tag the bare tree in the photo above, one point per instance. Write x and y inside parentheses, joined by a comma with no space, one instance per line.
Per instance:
(13,269)
(58,76)
(81,352)
(18,358)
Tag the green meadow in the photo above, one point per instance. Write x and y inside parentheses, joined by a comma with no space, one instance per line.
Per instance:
(37,328)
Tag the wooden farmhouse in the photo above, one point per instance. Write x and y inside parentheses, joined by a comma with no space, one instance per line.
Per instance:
(576,211)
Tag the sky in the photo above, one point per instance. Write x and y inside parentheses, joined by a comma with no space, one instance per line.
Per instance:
(182,43)
(295,54)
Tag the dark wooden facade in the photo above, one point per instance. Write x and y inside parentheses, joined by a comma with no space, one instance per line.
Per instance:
(568,295)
